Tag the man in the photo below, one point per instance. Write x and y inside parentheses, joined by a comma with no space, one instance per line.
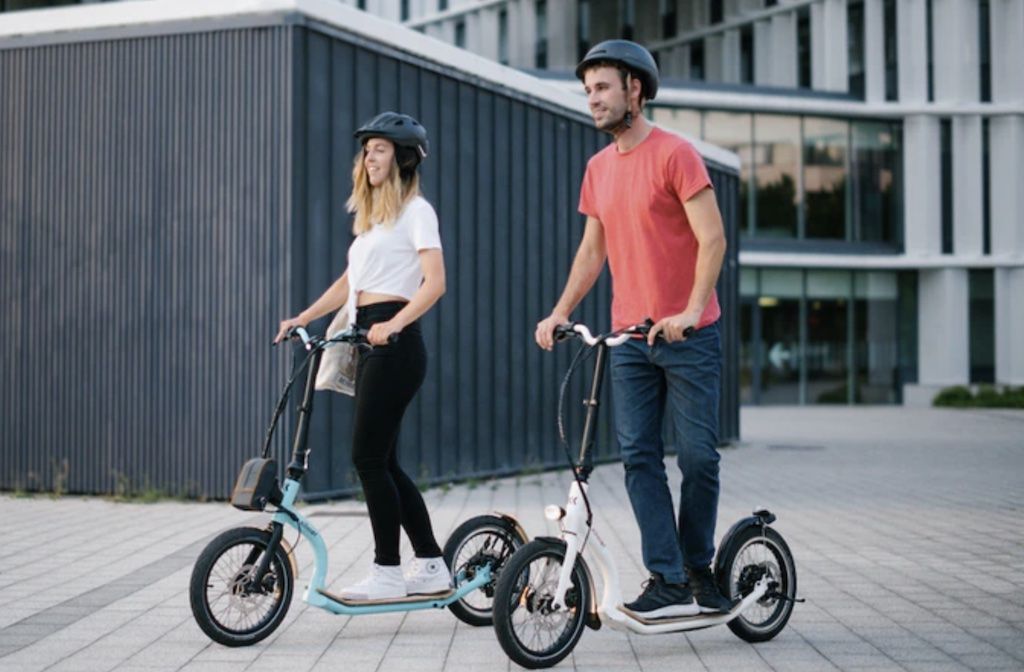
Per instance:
(651,212)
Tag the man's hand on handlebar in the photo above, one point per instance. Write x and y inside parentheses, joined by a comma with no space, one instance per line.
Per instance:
(545,334)
(673,328)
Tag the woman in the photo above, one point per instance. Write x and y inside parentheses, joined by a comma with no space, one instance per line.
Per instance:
(395,274)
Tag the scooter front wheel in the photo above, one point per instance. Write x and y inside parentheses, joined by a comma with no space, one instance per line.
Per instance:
(480,540)
(530,629)
(759,552)
(226,605)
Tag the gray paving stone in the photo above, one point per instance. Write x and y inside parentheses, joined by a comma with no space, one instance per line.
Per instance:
(903,527)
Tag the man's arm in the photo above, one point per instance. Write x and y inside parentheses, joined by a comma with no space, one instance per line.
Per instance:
(586,268)
(706,222)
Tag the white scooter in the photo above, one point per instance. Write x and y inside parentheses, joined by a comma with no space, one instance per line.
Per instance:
(545,593)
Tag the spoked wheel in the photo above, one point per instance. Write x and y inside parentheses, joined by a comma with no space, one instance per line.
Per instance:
(759,552)
(226,606)
(531,631)
(478,541)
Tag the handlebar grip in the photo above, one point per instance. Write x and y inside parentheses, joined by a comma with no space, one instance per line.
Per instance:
(563,332)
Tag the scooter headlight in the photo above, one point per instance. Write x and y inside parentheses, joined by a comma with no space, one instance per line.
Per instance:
(554,512)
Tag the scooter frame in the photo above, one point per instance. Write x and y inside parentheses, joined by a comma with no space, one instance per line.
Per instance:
(582,539)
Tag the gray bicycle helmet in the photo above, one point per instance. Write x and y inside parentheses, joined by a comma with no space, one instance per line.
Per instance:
(400,129)
(632,56)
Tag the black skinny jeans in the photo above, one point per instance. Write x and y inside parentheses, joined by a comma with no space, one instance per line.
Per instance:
(387,379)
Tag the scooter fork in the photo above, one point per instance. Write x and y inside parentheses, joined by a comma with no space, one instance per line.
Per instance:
(575,530)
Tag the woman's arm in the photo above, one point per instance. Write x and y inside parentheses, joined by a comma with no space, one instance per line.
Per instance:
(332,299)
(432,289)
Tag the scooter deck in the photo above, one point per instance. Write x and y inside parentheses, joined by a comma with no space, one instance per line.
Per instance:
(692,618)
(418,597)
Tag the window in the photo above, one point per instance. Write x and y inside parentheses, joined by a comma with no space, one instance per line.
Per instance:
(825,149)
(946,184)
(627,18)
(930,46)
(715,11)
(827,349)
(747,54)
(667,11)
(875,332)
(697,61)
(776,175)
(503,36)
(361,4)
(875,176)
(986,204)
(442,5)
(803,48)
(404,11)
(734,131)
(981,325)
(770,3)
(583,30)
(985,50)
(780,305)
(855,47)
(891,62)
(826,336)
(460,34)
(540,50)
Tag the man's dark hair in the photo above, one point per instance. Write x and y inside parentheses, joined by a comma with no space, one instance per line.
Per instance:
(624,72)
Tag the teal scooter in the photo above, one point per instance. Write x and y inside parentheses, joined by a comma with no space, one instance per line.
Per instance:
(243,581)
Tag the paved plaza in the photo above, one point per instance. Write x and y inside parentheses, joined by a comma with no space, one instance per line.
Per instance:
(906,526)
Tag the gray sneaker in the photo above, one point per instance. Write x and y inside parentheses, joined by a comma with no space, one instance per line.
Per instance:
(705,590)
(663,600)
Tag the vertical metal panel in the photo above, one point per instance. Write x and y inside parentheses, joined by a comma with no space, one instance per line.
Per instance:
(164,201)
(142,220)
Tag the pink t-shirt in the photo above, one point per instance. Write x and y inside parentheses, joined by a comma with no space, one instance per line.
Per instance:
(638,196)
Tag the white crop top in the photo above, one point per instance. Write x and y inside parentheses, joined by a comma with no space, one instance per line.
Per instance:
(386,260)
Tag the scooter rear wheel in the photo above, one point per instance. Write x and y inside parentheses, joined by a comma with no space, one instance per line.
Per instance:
(225,605)
(758,552)
(483,539)
(531,632)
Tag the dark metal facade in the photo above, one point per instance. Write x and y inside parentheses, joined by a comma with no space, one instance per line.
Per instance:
(164,201)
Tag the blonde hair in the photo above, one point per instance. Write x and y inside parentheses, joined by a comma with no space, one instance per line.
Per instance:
(379,205)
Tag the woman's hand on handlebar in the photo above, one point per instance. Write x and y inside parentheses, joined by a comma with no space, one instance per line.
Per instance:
(545,334)
(674,328)
(285,326)
(382,332)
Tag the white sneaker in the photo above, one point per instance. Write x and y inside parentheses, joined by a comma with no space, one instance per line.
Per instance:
(427,576)
(383,583)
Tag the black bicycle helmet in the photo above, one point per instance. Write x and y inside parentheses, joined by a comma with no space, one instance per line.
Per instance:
(400,129)
(632,56)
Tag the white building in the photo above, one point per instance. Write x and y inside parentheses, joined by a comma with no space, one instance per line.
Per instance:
(882,144)
(883,151)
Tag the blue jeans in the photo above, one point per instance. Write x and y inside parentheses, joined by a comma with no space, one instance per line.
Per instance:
(683,380)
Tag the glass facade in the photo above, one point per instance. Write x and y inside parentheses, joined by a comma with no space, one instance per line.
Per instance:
(807,178)
(875,171)
(732,131)
(826,336)
(825,173)
(776,175)
(804,178)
